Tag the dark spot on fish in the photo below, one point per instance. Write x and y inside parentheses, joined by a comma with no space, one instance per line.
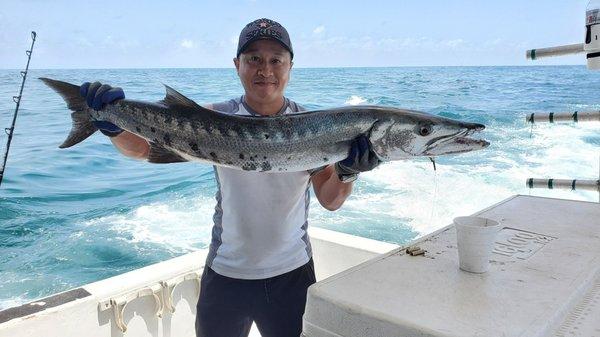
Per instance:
(252,158)
(266,136)
(249,167)
(223,131)
(265,166)
(167,139)
(241,156)
(289,158)
(152,129)
(194,146)
(325,159)
(238,128)
(229,163)
(137,128)
(264,157)
(214,155)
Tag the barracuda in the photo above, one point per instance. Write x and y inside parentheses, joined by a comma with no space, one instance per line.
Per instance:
(180,130)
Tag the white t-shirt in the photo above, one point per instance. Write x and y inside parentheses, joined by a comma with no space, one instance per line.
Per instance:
(261,218)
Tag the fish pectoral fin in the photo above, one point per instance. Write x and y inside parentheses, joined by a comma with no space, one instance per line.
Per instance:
(175,99)
(161,155)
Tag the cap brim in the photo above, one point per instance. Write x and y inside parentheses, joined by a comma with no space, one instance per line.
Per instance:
(254,39)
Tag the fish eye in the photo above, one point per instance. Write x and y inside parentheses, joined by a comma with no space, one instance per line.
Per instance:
(424,130)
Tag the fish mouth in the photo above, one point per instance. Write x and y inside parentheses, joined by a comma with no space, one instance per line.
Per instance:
(459,142)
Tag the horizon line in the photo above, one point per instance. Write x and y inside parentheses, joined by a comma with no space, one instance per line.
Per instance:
(325,67)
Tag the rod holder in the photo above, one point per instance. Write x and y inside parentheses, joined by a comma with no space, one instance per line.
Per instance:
(564,184)
(552,117)
(169,287)
(119,303)
(534,54)
(162,292)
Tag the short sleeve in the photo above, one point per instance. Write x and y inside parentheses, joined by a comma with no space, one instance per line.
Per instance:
(231,106)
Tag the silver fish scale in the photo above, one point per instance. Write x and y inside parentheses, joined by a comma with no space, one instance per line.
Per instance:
(284,143)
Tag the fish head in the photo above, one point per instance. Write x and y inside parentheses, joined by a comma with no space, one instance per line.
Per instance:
(407,133)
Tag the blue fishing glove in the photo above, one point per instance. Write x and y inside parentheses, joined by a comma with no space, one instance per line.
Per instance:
(97,95)
(361,158)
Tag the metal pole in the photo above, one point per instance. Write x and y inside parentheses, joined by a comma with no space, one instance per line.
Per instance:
(564,184)
(534,54)
(576,116)
(17,100)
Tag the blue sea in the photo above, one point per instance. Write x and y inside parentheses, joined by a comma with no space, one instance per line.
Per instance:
(73,216)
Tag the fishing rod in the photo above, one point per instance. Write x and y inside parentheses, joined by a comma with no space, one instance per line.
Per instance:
(17,100)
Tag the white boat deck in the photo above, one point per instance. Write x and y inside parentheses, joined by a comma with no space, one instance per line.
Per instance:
(136,299)
(544,280)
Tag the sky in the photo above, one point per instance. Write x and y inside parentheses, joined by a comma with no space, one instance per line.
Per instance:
(339,33)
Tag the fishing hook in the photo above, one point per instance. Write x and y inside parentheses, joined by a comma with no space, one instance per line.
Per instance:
(433,161)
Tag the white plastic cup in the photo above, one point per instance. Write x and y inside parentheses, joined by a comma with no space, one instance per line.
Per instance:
(475,238)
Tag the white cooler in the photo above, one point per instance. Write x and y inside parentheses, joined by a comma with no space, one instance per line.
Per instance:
(544,280)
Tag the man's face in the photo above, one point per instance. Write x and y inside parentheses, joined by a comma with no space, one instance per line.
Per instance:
(264,70)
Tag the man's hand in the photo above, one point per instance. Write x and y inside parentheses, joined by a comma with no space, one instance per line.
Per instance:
(362,158)
(97,95)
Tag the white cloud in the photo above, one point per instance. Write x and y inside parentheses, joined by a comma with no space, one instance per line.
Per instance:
(108,41)
(387,43)
(187,44)
(319,30)
(127,45)
(454,43)
(494,43)
(82,41)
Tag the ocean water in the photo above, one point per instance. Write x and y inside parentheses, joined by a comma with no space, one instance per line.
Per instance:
(73,216)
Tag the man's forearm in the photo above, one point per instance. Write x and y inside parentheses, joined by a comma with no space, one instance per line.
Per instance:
(330,191)
(131,145)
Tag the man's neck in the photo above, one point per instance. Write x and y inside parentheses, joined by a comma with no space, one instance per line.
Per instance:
(265,109)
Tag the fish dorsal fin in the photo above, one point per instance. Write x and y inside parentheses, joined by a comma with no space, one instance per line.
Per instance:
(174,99)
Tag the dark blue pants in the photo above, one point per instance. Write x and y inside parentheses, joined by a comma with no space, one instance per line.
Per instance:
(227,306)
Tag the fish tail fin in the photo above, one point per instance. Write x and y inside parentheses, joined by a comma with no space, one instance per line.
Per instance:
(82,126)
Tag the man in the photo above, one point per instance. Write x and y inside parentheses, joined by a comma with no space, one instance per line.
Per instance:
(259,264)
